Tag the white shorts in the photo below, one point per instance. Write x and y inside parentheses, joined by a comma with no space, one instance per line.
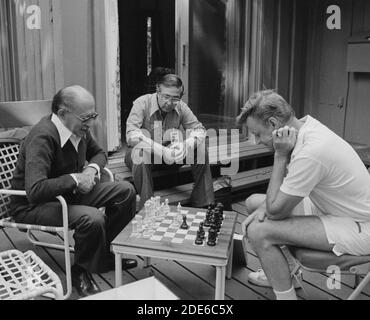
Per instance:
(347,235)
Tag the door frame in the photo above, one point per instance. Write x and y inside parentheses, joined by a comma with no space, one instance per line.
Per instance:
(106,80)
(182,25)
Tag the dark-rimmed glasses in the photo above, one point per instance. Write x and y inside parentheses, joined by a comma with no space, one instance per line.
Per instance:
(167,97)
(84,119)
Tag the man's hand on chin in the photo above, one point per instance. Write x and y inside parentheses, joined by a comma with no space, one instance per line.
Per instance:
(284,141)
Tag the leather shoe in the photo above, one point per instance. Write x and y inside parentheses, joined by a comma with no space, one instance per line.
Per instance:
(83,282)
(126,264)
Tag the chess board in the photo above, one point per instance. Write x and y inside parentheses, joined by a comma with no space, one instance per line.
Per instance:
(165,232)
(176,245)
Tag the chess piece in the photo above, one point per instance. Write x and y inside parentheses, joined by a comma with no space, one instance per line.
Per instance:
(208,220)
(212,237)
(184,225)
(201,231)
(177,217)
(198,240)
(167,208)
(220,207)
(218,219)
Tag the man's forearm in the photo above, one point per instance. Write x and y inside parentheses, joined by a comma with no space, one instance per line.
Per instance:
(277,177)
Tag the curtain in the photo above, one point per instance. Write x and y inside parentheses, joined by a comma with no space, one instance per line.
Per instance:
(7,90)
(243,53)
(31,63)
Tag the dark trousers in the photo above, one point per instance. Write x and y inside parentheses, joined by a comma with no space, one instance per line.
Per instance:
(94,231)
(202,193)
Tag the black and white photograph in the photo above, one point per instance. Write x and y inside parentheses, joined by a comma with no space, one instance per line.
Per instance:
(184,155)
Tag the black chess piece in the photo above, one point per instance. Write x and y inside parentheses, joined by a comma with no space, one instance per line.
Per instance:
(212,237)
(216,227)
(218,219)
(201,231)
(199,239)
(208,220)
(220,208)
(184,225)
(220,205)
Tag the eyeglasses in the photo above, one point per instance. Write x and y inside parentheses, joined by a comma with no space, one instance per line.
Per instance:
(166,97)
(86,118)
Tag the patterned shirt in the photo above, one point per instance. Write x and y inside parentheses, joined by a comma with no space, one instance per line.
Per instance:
(145,114)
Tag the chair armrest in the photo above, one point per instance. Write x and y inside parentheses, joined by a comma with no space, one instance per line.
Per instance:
(110,174)
(13,192)
(23,193)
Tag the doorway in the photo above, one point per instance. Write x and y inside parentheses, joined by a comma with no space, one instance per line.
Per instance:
(147,41)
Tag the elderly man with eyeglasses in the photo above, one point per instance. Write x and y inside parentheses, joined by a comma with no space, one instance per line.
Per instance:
(163,133)
(52,162)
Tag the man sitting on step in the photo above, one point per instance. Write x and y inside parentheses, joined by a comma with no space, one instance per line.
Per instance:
(314,165)
(156,141)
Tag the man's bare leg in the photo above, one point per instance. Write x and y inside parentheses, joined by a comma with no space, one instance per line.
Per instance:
(267,237)
(253,202)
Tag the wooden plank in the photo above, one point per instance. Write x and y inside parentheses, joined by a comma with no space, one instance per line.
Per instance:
(194,286)
(162,272)
(233,289)
(247,150)
(5,243)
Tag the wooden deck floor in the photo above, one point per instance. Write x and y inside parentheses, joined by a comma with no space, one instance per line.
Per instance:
(188,281)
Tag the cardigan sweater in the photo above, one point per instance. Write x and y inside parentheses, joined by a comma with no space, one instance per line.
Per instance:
(43,168)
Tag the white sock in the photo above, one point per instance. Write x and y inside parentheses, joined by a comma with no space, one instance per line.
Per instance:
(286,295)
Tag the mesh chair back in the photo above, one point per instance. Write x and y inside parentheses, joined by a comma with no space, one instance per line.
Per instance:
(8,160)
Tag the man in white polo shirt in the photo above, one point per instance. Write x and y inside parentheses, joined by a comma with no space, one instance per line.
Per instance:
(314,170)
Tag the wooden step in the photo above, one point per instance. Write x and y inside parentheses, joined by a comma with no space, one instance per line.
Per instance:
(240,181)
(247,150)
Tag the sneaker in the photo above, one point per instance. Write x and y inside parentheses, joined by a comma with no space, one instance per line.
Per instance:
(259,278)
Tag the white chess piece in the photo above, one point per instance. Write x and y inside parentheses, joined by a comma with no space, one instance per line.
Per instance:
(179,214)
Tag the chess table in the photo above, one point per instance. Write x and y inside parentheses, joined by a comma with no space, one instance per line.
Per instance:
(166,248)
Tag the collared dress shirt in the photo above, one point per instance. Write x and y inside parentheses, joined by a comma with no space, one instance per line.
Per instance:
(65,134)
(145,114)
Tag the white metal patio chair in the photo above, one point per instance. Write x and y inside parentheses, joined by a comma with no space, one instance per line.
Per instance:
(21,114)
(25,276)
(9,149)
(320,261)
